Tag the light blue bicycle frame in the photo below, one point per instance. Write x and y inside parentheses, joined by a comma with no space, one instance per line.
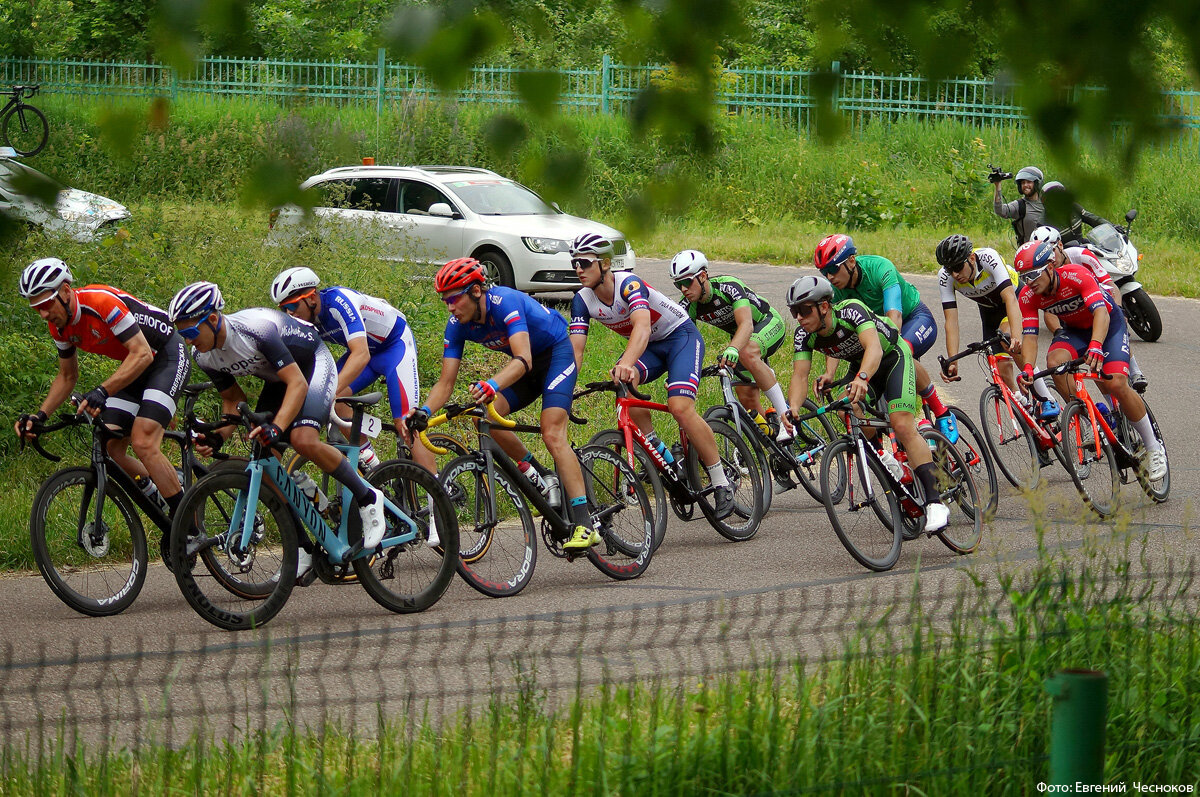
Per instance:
(334,542)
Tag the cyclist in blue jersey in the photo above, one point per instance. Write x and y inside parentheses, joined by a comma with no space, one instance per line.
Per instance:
(542,365)
(378,341)
(662,339)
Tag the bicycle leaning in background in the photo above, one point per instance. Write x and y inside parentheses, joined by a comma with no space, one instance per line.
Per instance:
(22,126)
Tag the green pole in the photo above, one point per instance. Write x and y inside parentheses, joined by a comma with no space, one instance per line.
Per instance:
(1077,726)
(605,65)
(380,81)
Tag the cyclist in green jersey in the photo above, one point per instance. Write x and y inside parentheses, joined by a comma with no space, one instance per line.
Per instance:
(756,332)
(848,330)
(876,283)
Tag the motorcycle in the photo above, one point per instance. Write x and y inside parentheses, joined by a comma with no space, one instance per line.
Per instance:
(1120,258)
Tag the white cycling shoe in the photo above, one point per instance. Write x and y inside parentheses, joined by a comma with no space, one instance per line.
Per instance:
(936,517)
(1156,465)
(374,525)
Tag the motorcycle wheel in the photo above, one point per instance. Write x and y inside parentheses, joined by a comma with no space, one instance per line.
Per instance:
(1143,315)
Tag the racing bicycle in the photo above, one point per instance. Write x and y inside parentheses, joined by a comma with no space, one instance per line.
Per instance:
(22,126)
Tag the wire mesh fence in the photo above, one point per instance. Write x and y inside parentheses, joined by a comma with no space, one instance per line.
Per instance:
(782,95)
(938,686)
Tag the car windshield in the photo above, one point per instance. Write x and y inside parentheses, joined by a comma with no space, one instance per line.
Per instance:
(500,198)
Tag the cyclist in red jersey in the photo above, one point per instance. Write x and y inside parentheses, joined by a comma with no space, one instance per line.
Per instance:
(138,399)
(1091,324)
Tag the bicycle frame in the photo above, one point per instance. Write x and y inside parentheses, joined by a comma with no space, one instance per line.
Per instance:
(1125,457)
(743,421)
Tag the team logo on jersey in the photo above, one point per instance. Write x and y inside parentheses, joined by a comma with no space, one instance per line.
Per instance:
(75,339)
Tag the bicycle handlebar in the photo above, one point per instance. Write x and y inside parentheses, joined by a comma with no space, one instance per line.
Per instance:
(622,389)
(973,348)
(1070,367)
(451,411)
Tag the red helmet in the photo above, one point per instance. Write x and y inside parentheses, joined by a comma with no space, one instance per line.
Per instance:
(833,251)
(1032,259)
(458,275)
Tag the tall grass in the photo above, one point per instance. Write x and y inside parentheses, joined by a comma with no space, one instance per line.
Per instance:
(927,704)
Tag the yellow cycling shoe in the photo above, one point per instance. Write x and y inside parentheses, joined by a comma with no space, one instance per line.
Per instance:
(582,539)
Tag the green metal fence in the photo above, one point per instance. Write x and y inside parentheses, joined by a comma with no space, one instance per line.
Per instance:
(782,95)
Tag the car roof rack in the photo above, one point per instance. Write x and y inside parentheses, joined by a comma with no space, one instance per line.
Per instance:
(438,168)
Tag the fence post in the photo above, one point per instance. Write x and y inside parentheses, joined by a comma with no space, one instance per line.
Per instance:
(380,82)
(1077,726)
(836,69)
(605,66)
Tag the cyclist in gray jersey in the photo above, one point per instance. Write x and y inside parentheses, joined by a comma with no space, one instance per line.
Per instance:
(300,376)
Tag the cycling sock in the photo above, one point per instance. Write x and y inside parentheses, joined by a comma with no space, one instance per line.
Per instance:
(173,502)
(775,396)
(932,400)
(349,477)
(532,460)
(1146,430)
(925,474)
(579,512)
(1040,389)
(1133,366)
(716,474)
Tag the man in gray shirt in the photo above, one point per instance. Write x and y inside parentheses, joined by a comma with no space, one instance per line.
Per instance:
(1027,212)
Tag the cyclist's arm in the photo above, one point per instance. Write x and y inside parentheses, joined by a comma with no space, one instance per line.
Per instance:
(578,342)
(639,337)
(744,317)
(519,365)
(892,304)
(64,382)
(356,360)
(1100,322)
(872,351)
(1029,329)
(439,394)
(798,389)
(293,396)
(951,323)
(139,358)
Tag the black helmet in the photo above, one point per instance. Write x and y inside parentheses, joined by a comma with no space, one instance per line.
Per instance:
(953,250)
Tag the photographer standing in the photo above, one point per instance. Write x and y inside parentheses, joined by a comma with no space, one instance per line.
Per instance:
(1027,212)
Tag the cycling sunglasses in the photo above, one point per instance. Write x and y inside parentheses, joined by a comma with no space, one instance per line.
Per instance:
(683,285)
(958,266)
(1030,277)
(451,299)
(291,304)
(802,310)
(192,332)
(582,263)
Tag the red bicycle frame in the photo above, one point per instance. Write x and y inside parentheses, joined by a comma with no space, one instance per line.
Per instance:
(633,433)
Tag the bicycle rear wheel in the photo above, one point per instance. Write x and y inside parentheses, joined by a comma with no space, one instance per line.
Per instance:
(621,509)
(858,516)
(98,572)
(754,442)
(973,447)
(497,551)
(25,129)
(955,483)
(1157,491)
(412,576)
(209,518)
(1009,439)
(741,471)
(1094,470)
(647,473)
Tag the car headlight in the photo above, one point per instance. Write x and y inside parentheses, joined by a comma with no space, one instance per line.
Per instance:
(547,246)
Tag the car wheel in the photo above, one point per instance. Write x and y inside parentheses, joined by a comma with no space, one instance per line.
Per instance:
(496,267)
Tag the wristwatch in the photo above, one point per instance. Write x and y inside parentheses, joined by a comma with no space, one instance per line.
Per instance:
(864,376)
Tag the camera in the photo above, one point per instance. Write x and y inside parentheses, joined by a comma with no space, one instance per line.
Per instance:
(998,176)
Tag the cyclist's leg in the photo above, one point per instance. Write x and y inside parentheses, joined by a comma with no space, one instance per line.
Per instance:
(684,354)
(920,330)
(1116,365)
(1067,343)
(650,366)
(160,387)
(903,407)
(398,365)
(119,411)
(755,357)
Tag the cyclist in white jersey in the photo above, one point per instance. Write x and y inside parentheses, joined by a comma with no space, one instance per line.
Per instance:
(661,339)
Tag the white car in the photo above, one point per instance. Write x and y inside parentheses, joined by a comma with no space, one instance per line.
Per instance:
(79,215)
(431,214)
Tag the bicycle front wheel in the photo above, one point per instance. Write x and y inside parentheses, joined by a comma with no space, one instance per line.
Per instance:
(25,129)
(648,474)
(1092,467)
(741,471)
(412,576)
(974,450)
(858,515)
(497,546)
(621,510)
(210,519)
(97,571)
(956,487)
(1011,442)
(808,449)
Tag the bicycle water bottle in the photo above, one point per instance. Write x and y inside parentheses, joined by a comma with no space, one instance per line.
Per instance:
(532,474)
(660,447)
(1103,409)
(553,489)
(310,489)
(368,460)
(150,490)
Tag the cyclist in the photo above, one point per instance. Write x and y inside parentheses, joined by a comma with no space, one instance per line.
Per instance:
(848,330)
(1027,211)
(1082,256)
(300,381)
(982,276)
(542,365)
(875,282)
(377,338)
(661,339)
(137,401)
(756,330)
(1091,323)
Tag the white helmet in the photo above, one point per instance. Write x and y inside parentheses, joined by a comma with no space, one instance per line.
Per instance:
(591,243)
(44,275)
(1046,234)
(195,300)
(688,264)
(291,280)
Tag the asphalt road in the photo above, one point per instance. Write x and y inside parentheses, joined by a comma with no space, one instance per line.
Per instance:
(704,605)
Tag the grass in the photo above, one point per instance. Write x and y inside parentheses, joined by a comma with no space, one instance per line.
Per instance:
(925,704)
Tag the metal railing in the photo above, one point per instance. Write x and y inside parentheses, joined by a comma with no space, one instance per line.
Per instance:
(782,95)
